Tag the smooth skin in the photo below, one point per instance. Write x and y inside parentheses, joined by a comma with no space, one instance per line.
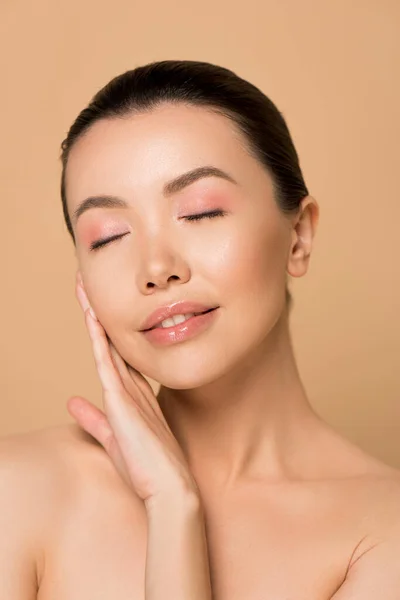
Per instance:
(134,433)
(292,510)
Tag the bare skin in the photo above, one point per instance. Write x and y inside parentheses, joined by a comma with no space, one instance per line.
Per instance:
(293,511)
(75,530)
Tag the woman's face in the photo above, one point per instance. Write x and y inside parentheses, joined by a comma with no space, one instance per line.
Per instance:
(237,261)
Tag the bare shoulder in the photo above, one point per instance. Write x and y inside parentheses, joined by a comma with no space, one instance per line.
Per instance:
(380,485)
(368,488)
(46,452)
(52,459)
(35,465)
(369,502)
(41,472)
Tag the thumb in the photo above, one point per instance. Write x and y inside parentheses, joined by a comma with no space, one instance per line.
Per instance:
(95,422)
(90,418)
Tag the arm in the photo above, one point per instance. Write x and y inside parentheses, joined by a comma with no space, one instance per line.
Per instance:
(177,558)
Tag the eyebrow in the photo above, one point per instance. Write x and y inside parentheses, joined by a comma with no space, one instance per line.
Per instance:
(171,187)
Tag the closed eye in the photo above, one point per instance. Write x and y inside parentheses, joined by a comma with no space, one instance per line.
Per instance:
(101,243)
(208,215)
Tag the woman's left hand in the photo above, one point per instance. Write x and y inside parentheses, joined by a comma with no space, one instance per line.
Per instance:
(132,430)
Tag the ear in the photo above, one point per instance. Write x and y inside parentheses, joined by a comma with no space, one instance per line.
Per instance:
(303,232)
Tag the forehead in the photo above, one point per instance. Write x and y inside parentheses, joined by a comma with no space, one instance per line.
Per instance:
(140,152)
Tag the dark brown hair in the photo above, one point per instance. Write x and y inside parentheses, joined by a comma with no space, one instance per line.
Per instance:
(210,86)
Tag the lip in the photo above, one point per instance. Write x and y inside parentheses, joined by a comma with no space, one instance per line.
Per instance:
(177,308)
(165,336)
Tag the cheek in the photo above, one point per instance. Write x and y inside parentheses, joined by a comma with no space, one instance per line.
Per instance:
(113,302)
(252,287)
(251,264)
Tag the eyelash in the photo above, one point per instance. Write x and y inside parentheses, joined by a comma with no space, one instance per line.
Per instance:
(208,215)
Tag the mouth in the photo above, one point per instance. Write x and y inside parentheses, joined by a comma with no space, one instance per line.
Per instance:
(159,326)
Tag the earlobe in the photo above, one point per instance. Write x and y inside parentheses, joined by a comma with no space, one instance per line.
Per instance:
(299,256)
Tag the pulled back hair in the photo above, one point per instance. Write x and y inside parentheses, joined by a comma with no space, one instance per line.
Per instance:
(215,88)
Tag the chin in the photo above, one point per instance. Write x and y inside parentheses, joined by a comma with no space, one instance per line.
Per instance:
(187,374)
(190,380)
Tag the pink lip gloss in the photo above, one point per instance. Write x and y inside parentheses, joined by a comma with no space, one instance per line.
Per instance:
(165,336)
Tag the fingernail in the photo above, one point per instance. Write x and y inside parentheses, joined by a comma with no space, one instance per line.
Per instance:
(92,313)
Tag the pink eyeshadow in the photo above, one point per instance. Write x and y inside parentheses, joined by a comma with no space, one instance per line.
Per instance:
(95,231)
(203,202)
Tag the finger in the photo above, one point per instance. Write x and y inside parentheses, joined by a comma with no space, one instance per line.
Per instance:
(90,418)
(109,376)
(128,375)
(130,384)
(95,422)
(126,371)
(120,406)
(141,381)
(121,366)
(81,296)
(132,380)
(148,393)
(97,334)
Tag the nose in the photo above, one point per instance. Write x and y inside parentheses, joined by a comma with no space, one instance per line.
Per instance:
(161,264)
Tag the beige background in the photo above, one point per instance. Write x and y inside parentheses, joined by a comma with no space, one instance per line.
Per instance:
(331,67)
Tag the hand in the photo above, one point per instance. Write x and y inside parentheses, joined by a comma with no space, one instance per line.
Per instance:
(132,430)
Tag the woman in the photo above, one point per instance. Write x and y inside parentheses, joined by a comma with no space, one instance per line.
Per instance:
(183,195)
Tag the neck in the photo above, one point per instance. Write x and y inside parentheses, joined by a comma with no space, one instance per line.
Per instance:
(251,424)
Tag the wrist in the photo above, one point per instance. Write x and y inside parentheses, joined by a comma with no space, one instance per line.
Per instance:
(174,502)
(177,562)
